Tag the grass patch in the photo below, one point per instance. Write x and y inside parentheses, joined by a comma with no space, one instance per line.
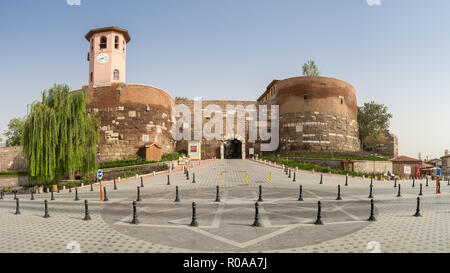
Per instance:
(309,167)
(351,157)
(12,174)
(125,163)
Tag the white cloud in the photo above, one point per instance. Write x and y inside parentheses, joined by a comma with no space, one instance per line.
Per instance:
(78,2)
(374,2)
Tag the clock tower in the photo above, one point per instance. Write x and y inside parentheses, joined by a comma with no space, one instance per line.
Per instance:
(107,55)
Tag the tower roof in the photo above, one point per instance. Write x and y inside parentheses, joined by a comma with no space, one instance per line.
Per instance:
(124,32)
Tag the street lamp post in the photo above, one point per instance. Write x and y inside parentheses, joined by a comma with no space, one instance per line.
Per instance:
(373,174)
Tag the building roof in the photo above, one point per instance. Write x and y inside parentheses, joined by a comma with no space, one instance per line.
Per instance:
(153,144)
(403,158)
(124,32)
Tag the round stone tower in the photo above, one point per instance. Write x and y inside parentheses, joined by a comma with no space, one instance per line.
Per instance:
(316,114)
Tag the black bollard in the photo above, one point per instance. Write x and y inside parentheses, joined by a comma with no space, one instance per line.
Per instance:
(339,193)
(115,186)
(260,194)
(371,192)
(15,195)
(46,215)
(300,197)
(76,194)
(346,180)
(142,182)
(448,181)
(17,207)
(86,211)
(70,189)
(135,220)
(217,194)
(319,216)
(168,179)
(92,187)
(395,182)
(256,223)
(193,177)
(439,186)
(420,193)
(399,191)
(426,185)
(187,175)
(289,173)
(138,199)
(321,179)
(413,184)
(371,217)
(32,195)
(106,196)
(57,191)
(194,216)
(1,195)
(177,196)
(417,214)
(293,180)
(51,195)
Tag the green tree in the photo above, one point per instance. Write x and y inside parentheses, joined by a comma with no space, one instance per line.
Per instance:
(60,137)
(373,140)
(373,119)
(14,133)
(310,69)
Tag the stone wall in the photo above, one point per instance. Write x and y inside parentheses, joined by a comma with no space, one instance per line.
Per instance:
(131,117)
(11,159)
(11,182)
(365,166)
(314,131)
(125,130)
(316,114)
(211,148)
(390,146)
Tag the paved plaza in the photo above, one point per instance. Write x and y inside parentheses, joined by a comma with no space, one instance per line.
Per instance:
(226,226)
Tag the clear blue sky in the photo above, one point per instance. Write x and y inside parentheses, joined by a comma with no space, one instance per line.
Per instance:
(396,53)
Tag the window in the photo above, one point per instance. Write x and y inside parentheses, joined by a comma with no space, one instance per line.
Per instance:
(341,98)
(103,41)
(92,76)
(116,42)
(145,138)
(305,97)
(116,74)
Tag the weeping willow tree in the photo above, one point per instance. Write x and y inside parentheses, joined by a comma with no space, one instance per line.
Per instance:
(60,137)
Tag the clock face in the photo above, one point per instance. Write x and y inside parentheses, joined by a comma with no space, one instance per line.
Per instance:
(102,58)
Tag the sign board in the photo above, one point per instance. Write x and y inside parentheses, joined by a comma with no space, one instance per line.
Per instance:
(407,169)
(194,150)
(100,174)
(98,160)
(438,172)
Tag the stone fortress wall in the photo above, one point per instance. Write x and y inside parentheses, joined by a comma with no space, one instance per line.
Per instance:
(212,148)
(131,116)
(316,114)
